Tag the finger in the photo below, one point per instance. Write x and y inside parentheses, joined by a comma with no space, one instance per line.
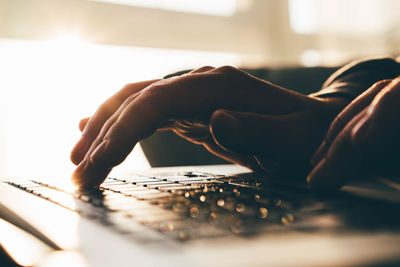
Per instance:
(363,139)
(342,159)
(247,161)
(387,99)
(325,146)
(383,115)
(237,131)
(355,107)
(202,69)
(87,175)
(272,137)
(105,111)
(268,165)
(82,123)
(199,133)
(187,96)
(117,139)
(87,141)
(381,126)
(345,116)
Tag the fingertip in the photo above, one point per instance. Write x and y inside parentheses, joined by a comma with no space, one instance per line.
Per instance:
(319,153)
(79,151)
(82,123)
(86,175)
(76,157)
(97,156)
(360,131)
(321,178)
(313,177)
(108,154)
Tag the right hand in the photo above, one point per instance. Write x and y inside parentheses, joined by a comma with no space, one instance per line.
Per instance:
(364,138)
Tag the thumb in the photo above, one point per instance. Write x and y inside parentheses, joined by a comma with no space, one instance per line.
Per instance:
(249,133)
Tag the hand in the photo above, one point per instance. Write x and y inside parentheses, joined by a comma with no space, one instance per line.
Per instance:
(201,106)
(363,137)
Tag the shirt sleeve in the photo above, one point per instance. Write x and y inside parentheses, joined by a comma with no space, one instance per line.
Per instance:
(356,77)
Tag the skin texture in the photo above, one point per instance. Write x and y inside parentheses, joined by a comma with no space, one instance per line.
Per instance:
(362,138)
(231,113)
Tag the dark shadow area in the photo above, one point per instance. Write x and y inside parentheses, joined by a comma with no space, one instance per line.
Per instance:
(5,259)
(164,149)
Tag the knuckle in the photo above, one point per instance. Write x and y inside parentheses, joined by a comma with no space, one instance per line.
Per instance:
(227,69)
(157,97)
(130,99)
(203,69)
(105,108)
(394,87)
(156,90)
(342,138)
(126,88)
(127,101)
(161,84)
(381,83)
(389,97)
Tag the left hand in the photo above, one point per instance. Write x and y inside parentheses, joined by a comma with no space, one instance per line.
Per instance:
(364,137)
(246,119)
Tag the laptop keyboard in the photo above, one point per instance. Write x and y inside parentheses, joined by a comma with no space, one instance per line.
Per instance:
(187,205)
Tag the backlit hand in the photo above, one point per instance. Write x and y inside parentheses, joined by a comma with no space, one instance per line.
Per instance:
(236,116)
(363,138)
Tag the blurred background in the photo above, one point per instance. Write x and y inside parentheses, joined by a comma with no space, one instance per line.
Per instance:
(60,59)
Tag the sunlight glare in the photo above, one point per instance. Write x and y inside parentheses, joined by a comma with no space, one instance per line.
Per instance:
(46,87)
(68,39)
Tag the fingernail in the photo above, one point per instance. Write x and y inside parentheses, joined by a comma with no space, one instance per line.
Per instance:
(98,153)
(319,153)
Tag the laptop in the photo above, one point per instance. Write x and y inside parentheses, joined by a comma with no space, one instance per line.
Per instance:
(216,215)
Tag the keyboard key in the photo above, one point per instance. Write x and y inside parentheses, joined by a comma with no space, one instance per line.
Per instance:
(183,205)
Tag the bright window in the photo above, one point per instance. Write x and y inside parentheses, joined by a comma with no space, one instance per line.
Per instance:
(303,16)
(209,7)
(344,17)
(46,87)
